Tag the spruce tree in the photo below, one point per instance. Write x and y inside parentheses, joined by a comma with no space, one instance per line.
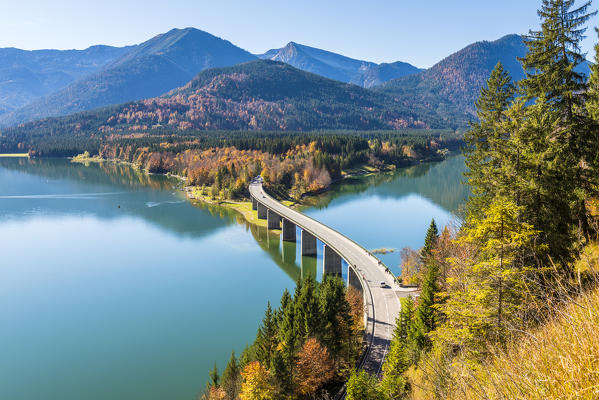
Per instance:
(593,92)
(231,378)
(307,318)
(485,140)
(429,241)
(552,77)
(426,315)
(266,338)
(214,377)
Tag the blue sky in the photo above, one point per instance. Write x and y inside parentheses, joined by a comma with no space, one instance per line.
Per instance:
(416,31)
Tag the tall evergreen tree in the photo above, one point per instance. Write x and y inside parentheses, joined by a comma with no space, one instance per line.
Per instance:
(307,318)
(426,315)
(485,140)
(336,317)
(231,378)
(552,77)
(429,241)
(214,377)
(593,93)
(266,338)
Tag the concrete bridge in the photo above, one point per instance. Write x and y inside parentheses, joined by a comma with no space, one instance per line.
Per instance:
(365,271)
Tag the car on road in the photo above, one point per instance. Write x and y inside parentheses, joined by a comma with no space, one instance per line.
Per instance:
(383,284)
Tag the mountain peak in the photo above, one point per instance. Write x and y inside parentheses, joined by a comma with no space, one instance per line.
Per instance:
(338,67)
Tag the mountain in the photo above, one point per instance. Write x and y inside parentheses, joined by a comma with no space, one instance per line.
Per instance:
(150,69)
(453,84)
(338,67)
(28,75)
(451,87)
(257,95)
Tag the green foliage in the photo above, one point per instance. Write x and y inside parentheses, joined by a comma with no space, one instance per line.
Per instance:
(266,343)
(361,386)
(317,312)
(426,316)
(214,377)
(429,241)
(593,93)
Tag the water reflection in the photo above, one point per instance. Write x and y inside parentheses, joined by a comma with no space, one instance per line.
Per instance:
(119,190)
(438,182)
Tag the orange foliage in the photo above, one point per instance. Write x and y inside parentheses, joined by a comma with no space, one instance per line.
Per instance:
(314,367)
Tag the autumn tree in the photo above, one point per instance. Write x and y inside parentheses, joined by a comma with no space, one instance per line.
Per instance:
(488,296)
(314,367)
(257,383)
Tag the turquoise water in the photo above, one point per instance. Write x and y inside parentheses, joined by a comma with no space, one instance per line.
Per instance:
(113,286)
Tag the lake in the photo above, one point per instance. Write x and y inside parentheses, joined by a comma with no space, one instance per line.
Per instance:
(113,286)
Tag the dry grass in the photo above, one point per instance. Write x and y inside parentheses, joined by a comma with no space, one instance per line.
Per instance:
(557,360)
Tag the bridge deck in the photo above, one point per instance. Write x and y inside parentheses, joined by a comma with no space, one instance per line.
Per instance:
(382,303)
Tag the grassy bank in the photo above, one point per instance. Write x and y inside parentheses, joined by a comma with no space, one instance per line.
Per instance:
(242,207)
(14,155)
(560,360)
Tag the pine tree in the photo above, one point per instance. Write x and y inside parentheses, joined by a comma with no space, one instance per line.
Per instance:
(307,318)
(551,77)
(486,296)
(429,241)
(593,104)
(553,55)
(214,377)
(485,140)
(336,324)
(231,378)
(286,332)
(266,338)
(593,92)
(425,319)
(282,375)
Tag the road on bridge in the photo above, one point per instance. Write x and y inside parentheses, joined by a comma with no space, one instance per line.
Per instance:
(382,303)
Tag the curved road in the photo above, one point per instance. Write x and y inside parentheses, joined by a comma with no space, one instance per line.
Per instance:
(382,304)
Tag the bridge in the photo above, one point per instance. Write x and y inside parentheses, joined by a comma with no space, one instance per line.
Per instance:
(364,271)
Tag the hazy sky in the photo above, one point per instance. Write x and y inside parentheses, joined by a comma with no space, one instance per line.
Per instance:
(417,31)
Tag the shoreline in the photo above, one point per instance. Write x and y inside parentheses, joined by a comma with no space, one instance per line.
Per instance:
(244,206)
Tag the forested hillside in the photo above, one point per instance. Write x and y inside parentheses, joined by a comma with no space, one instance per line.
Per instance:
(152,68)
(28,75)
(258,95)
(452,85)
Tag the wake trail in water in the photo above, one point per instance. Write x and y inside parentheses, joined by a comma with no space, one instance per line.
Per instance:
(63,196)
(151,204)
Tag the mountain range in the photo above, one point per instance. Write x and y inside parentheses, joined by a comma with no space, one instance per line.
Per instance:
(149,69)
(338,67)
(26,76)
(255,94)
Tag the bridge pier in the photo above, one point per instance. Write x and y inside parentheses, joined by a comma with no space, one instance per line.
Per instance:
(352,279)
(274,220)
(254,204)
(332,262)
(308,244)
(288,231)
(262,211)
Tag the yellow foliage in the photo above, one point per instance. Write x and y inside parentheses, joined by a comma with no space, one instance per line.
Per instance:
(256,383)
